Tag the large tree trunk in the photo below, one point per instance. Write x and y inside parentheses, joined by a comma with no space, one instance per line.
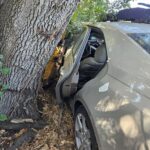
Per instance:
(29,32)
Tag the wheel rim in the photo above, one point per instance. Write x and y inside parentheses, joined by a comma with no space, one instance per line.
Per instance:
(82,134)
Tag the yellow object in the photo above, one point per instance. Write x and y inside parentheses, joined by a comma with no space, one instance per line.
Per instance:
(51,66)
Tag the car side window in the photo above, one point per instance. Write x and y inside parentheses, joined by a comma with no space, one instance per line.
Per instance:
(143,39)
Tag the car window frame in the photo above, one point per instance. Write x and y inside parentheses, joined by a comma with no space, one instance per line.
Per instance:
(135,39)
(77,47)
(64,77)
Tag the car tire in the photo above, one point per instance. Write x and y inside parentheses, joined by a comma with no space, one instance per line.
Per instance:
(81,112)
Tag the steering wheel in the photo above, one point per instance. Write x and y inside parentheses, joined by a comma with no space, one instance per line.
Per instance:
(91,47)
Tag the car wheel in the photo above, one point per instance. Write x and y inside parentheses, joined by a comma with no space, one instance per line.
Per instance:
(84,134)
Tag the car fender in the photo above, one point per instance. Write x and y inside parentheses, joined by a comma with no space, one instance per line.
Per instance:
(119,115)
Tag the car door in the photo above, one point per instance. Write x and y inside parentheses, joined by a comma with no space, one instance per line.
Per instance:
(67,83)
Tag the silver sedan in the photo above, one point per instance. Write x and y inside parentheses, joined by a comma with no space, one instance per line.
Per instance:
(106,80)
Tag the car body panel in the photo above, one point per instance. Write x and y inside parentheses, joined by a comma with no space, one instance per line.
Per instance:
(119,122)
(119,103)
(117,100)
(132,63)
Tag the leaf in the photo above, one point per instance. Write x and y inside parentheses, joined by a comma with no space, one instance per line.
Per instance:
(5,87)
(21,132)
(3,117)
(1,93)
(5,71)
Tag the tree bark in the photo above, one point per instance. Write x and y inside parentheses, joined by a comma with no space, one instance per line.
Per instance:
(29,32)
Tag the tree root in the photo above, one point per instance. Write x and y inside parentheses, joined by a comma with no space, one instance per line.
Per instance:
(24,138)
(7,125)
(22,133)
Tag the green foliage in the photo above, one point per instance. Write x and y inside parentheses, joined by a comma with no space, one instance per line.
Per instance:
(3,117)
(90,11)
(3,71)
(94,11)
(5,87)
(1,94)
(118,5)
(87,11)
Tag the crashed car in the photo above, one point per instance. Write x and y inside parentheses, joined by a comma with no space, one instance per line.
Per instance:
(105,78)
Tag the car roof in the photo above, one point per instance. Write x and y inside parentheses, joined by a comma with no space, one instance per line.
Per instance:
(126,27)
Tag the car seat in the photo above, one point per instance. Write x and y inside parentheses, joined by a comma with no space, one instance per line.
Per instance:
(90,66)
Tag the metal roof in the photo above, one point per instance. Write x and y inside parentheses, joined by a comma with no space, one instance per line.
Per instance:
(127,27)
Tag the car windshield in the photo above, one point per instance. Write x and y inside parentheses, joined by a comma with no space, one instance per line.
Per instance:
(143,39)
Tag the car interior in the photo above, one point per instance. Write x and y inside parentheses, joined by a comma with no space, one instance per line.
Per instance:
(93,60)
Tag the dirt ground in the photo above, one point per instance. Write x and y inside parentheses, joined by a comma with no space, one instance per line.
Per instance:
(58,134)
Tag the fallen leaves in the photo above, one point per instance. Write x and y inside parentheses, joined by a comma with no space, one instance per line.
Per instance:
(58,134)
(21,132)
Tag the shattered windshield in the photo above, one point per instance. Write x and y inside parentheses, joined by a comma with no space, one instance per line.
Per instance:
(143,39)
